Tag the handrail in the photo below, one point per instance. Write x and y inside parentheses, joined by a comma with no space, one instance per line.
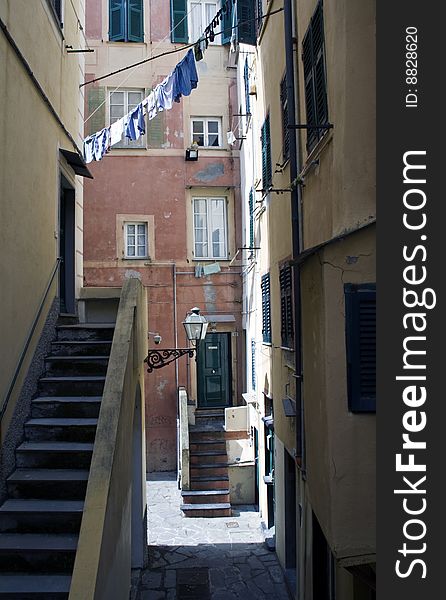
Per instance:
(29,338)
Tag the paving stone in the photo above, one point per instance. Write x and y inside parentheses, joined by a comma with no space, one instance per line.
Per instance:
(151,580)
(152,595)
(223,595)
(276,574)
(254,563)
(217,578)
(170,578)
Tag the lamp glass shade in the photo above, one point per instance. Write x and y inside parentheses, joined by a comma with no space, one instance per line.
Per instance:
(195,326)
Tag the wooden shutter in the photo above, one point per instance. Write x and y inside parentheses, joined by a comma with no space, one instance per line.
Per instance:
(135,21)
(360,330)
(286,306)
(246,25)
(253,364)
(227,23)
(266,308)
(116,15)
(266,154)
(313,56)
(246,80)
(95,98)
(285,123)
(155,131)
(178,12)
(251,220)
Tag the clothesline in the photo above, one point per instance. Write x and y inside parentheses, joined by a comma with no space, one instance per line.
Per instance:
(180,82)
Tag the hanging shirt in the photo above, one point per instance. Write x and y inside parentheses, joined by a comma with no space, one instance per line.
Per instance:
(101,143)
(150,103)
(164,93)
(116,131)
(136,125)
(89,148)
(186,76)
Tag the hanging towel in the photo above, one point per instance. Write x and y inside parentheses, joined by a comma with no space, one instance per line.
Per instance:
(186,76)
(101,143)
(116,131)
(231,138)
(89,148)
(136,125)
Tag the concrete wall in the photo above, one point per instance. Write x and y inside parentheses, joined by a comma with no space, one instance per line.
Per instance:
(31,167)
(156,184)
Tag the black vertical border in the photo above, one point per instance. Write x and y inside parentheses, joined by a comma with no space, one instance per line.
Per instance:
(401,129)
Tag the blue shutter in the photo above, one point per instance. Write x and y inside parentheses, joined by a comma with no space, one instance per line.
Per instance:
(135,22)
(178,21)
(117,20)
(227,23)
(360,334)
(246,22)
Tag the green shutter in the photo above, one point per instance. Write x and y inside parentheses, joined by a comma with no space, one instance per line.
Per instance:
(266,309)
(135,22)
(246,22)
(251,219)
(227,24)
(178,12)
(246,79)
(266,154)
(360,334)
(95,98)
(117,20)
(155,131)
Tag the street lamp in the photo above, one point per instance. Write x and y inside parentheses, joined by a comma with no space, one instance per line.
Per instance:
(195,326)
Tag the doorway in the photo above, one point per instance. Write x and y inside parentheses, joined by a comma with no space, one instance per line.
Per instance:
(67,247)
(214,371)
(290,520)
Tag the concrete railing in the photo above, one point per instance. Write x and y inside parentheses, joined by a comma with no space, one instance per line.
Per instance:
(113,534)
(183,437)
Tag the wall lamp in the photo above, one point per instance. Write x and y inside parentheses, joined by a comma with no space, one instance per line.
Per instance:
(192,152)
(195,326)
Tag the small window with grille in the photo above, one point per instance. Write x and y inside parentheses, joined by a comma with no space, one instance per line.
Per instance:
(136,244)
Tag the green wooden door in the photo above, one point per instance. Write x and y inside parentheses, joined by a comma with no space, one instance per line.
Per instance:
(213,365)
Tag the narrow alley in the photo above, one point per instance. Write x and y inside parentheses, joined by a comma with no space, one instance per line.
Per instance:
(198,559)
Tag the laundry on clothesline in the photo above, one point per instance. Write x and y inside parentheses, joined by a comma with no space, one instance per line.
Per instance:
(181,82)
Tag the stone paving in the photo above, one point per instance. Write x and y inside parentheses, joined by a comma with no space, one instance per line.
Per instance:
(223,558)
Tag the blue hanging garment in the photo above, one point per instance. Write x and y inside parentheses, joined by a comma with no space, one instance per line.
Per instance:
(101,143)
(89,148)
(136,125)
(186,76)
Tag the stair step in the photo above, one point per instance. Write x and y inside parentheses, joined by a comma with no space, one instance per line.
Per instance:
(211,466)
(48,483)
(68,430)
(37,551)
(203,496)
(216,458)
(41,516)
(56,455)
(66,407)
(87,385)
(86,331)
(207,510)
(81,348)
(205,435)
(76,365)
(209,482)
(22,586)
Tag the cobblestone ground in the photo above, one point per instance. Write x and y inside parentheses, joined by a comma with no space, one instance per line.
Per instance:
(222,558)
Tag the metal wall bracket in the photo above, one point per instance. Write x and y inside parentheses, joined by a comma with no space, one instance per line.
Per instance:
(156,359)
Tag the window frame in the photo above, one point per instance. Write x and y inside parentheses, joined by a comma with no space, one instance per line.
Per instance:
(126,30)
(126,143)
(360,345)
(127,224)
(217,41)
(209,243)
(205,121)
(58,14)
(285,119)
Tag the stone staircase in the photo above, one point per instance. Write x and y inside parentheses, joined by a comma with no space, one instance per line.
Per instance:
(40,519)
(209,480)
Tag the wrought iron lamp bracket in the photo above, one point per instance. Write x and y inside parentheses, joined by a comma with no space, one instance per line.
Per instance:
(156,359)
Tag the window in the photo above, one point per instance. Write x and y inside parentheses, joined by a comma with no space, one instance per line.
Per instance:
(360,334)
(286,306)
(206,132)
(201,13)
(126,21)
(266,154)
(136,240)
(56,6)
(251,221)
(121,103)
(285,130)
(266,309)
(313,57)
(210,228)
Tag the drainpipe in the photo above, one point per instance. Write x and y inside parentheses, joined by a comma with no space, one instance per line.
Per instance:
(175,325)
(295,167)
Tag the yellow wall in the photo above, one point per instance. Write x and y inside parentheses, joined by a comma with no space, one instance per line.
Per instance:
(30,165)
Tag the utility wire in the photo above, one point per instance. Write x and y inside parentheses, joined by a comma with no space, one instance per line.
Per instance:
(185,47)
